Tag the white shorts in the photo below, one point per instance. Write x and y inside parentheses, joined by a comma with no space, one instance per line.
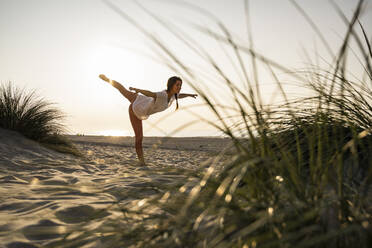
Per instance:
(141,106)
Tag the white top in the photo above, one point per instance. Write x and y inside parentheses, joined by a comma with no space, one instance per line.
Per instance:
(145,106)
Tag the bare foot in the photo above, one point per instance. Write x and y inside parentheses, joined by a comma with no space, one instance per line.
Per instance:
(104,78)
(141,163)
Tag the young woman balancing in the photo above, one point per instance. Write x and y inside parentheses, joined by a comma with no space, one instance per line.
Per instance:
(142,106)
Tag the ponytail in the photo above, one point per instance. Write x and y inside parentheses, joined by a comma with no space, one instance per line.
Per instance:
(176,96)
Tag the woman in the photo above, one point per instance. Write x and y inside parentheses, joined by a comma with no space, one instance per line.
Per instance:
(142,106)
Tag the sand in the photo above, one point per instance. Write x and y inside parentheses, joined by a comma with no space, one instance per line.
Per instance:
(45,195)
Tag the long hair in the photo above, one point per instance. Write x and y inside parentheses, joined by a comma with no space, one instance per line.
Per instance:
(172,81)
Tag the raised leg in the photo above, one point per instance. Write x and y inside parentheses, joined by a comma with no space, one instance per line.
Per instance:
(138,132)
(131,96)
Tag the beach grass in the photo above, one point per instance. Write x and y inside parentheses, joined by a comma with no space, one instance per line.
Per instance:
(303,178)
(33,117)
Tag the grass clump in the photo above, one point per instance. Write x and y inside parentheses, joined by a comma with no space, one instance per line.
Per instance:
(33,117)
(303,179)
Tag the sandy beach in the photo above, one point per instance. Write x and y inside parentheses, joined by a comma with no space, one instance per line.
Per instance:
(46,195)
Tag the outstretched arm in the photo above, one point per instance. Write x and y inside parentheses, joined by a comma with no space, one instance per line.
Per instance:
(144,92)
(187,95)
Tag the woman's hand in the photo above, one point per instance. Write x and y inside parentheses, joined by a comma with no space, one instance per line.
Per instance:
(181,95)
(134,89)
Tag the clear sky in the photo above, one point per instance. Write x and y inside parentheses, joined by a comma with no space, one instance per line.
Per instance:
(59,47)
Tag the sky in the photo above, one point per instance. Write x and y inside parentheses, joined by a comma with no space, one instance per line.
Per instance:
(59,47)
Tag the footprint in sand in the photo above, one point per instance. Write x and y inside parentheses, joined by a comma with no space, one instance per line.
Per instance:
(80,214)
(44,230)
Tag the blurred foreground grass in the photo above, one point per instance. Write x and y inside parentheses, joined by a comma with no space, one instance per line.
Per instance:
(303,178)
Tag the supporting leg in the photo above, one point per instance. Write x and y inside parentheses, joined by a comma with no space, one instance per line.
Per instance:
(138,132)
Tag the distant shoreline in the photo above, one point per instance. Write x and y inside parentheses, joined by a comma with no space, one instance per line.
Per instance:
(213,144)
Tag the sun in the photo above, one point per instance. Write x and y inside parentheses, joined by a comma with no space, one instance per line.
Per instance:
(116,63)
(111,60)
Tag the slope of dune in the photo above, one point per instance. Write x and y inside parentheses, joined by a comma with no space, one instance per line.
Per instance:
(45,195)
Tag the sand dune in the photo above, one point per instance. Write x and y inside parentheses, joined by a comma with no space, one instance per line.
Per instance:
(45,194)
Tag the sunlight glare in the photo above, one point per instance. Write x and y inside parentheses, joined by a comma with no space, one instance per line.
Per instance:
(116,63)
(114,133)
